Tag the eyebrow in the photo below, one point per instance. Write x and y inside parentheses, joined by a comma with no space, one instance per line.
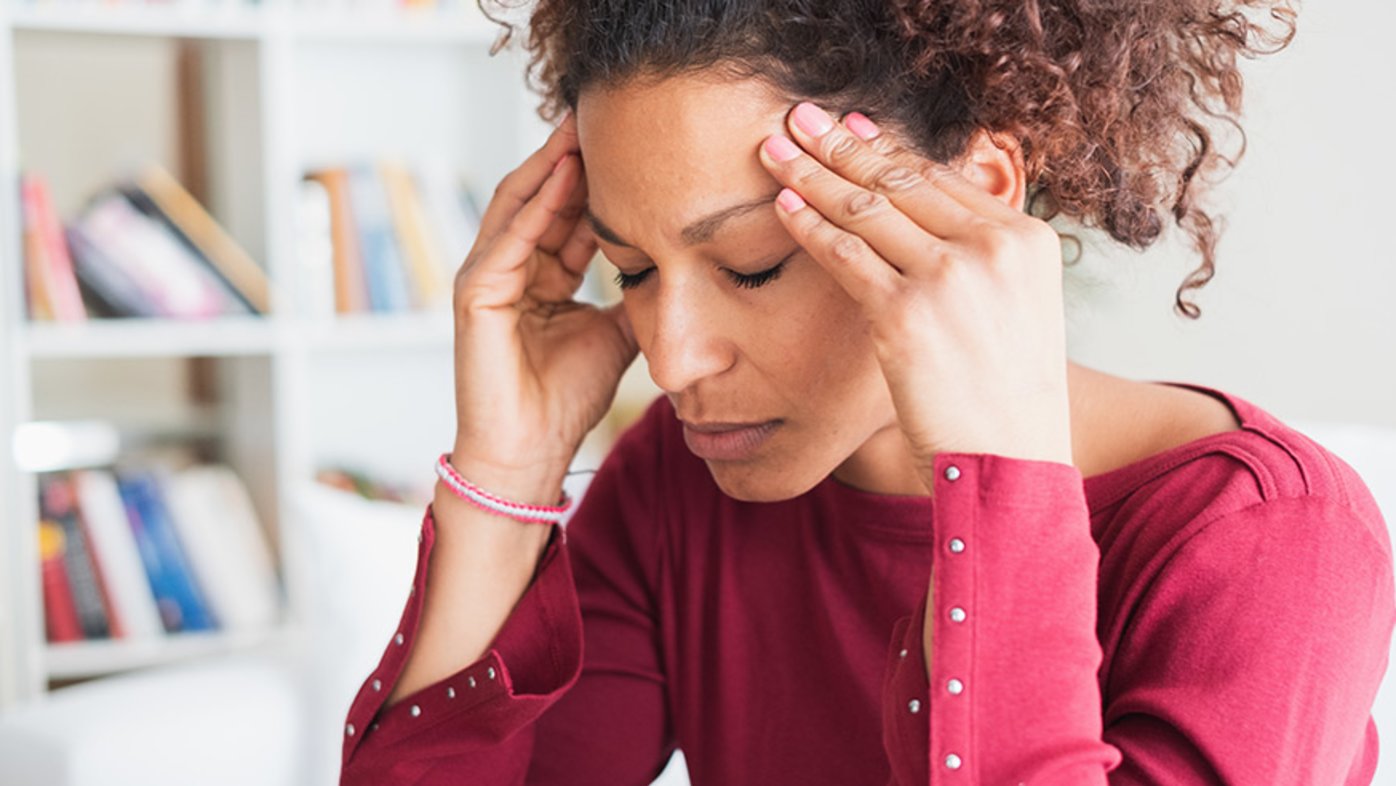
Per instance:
(699,231)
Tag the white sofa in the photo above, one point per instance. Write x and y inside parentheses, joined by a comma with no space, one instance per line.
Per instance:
(272,716)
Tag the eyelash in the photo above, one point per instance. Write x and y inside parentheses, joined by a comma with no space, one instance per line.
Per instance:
(628,280)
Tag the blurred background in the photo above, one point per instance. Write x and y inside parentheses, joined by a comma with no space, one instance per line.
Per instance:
(225,344)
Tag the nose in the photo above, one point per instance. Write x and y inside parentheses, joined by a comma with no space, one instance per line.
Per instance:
(689,337)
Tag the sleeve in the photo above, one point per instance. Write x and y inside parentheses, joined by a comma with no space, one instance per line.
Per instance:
(1011,695)
(570,691)
(1256,656)
(1253,658)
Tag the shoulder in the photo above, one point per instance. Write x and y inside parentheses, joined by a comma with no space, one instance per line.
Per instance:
(1265,492)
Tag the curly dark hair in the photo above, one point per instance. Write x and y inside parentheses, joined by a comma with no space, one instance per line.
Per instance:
(1112,101)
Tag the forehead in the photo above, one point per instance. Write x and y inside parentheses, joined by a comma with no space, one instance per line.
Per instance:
(659,154)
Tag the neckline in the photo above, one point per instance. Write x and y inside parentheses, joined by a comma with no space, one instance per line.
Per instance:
(905,516)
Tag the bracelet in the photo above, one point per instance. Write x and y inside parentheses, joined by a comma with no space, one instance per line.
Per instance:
(536,514)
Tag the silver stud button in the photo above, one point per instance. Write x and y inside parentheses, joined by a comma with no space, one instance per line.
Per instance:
(914,705)
(957,545)
(952,761)
(416,711)
(490,672)
(398,639)
(378,685)
(957,614)
(349,730)
(902,654)
(470,681)
(955,687)
(952,472)
(450,693)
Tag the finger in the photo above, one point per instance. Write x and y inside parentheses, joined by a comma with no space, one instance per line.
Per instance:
(560,275)
(520,185)
(944,176)
(861,271)
(833,147)
(871,215)
(568,218)
(579,250)
(499,270)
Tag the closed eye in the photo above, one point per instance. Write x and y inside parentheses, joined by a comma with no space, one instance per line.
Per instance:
(745,281)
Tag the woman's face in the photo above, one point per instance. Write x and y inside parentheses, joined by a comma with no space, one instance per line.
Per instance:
(666,167)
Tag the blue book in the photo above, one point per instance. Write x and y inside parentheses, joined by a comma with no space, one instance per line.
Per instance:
(384,267)
(177,594)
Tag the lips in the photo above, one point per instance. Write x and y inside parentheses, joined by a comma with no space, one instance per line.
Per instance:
(727,441)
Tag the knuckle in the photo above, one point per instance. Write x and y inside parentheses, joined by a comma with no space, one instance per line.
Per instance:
(847,248)
(840,149)
(896,178)
(999,244)
(861,203)
(936,172)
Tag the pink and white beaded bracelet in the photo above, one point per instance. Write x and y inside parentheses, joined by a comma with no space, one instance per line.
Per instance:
(536,514)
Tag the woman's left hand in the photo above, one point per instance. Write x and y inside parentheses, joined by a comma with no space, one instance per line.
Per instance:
(963,293)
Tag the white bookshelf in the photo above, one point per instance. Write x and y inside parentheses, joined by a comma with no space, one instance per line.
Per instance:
(285,90)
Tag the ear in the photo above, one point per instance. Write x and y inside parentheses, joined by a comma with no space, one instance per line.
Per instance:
(994,162)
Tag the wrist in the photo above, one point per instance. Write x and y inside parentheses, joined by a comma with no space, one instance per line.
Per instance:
(540,484)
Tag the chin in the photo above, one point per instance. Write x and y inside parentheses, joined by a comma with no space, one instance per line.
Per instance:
(749,483)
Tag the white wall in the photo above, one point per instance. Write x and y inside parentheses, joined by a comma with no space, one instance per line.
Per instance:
(1299,318)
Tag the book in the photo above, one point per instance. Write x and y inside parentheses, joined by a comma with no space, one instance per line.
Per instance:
(60,612)
(378,241)
(315,251)
(166,274)
(177,593)
(350,280)
(452,210)
(420,247)
(51,280)
(192,224)
(58,503)
(224,540)
(114,545)
(108,287)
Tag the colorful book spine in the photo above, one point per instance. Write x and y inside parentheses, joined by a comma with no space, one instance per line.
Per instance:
(60,612)
(182,606)
(58,503)
(387,275)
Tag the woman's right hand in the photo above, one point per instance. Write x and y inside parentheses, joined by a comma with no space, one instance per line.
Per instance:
(535,370)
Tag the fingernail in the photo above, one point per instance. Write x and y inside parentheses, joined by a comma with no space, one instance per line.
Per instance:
(780,148)
(860,125)
(811,119)
(789,201)
(558,165)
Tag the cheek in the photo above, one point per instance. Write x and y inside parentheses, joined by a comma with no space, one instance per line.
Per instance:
(821,347)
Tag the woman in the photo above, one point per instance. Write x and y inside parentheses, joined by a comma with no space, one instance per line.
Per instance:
(879,528)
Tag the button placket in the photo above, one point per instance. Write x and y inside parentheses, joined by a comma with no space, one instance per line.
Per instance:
(951,716)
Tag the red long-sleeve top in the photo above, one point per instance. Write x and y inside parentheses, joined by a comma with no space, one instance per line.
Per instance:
(1219,613)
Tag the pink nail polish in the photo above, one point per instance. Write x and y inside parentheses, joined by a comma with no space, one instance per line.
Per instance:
(811,119)
(781,148)
(860,125)
(789,201)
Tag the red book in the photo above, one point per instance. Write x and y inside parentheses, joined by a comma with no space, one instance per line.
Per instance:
(60,612)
